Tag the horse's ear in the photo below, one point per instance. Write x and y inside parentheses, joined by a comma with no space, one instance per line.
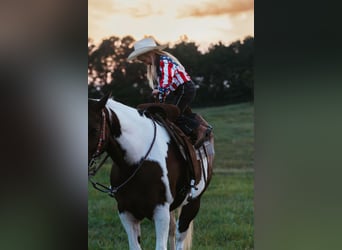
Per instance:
(104,100)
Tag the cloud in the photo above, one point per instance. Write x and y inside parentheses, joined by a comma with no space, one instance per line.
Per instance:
(133,8)
(144,10)
(219,20)
(218,7)
(101,7)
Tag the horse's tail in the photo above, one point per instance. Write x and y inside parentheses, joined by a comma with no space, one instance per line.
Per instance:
(172,231)
(188,238)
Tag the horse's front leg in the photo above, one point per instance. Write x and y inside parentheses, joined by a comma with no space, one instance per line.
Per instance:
(132,227)
(161,217)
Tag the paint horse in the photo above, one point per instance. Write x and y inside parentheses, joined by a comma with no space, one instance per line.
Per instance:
(148,174)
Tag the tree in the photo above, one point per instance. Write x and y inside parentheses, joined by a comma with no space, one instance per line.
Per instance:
(188,54)
(223,75)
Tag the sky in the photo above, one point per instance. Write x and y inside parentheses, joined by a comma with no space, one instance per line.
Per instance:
(204,22)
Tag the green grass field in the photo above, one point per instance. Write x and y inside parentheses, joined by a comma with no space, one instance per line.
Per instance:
(234,135)
(226,217)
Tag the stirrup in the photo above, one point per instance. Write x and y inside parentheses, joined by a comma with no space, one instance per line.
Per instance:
(193,188)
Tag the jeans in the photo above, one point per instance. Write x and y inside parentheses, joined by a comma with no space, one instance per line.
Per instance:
(183,95)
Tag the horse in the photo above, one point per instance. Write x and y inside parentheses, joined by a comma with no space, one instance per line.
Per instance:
(148,175)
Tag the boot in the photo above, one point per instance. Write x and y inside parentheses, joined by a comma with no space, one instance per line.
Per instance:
(202,133)
(182,123)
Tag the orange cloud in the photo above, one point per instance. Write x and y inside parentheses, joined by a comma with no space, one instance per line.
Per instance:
(220,7)
(101,8)
(145,10)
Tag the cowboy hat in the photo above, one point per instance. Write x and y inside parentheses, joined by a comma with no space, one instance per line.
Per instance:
(143,46)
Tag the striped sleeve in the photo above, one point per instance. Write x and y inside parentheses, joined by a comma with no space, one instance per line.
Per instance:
(167,73)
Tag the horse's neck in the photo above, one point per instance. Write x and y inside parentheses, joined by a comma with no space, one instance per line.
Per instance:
(116,152)
(136,131)
(129,118)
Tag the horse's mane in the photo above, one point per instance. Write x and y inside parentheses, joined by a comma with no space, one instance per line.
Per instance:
(118,106)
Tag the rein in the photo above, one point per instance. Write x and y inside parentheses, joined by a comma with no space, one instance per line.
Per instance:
(113,190)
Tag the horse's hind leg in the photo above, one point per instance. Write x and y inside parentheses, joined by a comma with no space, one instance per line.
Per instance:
(132,227)
(172,232)
(161,219)
(184,226)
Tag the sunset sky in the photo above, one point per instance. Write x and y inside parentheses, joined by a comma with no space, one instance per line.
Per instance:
(204,22)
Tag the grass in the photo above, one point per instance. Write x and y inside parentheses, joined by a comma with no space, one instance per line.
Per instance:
(225,219)
(234,135)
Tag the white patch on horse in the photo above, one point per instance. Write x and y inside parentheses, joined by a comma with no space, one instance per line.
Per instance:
(159,155)
(161,218)
(132,228)
(136,137)
(133,126)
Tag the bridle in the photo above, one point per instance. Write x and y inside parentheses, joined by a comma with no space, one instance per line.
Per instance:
(102,137)
(93,167)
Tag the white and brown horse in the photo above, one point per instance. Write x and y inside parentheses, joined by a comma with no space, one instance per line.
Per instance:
(149,174)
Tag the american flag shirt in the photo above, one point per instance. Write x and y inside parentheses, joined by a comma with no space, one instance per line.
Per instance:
(170,75)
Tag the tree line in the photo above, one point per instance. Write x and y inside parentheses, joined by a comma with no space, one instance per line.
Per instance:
(223,75)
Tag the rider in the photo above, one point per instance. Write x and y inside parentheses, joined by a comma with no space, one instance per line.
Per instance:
(167,75)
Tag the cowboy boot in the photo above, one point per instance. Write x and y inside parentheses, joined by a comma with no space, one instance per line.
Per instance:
(202,132)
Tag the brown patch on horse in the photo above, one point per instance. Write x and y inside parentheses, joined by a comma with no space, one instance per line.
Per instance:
(114,124)
(178,175)
(139,195)
(194,166)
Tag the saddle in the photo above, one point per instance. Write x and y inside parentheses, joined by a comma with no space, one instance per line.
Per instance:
(167,114)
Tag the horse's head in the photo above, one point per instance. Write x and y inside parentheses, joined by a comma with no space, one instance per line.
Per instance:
(97,127)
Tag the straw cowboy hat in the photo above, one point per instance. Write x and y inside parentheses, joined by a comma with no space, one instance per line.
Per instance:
(143,46)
